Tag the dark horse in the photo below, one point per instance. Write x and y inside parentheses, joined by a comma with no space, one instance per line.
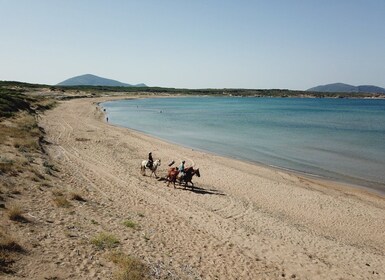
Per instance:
(189,173)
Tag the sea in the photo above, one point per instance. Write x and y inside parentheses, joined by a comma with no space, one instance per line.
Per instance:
(337,139)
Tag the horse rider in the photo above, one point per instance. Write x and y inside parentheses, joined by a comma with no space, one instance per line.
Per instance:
(181,169)
(150,161)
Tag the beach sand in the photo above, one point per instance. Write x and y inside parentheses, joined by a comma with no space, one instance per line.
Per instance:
(243,221)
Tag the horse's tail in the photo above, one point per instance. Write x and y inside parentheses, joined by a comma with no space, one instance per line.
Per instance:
(143,166)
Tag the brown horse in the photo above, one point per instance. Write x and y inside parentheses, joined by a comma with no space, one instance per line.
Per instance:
(172,175)
(189,173)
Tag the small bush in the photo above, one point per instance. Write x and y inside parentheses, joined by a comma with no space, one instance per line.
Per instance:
(26,145)
(104,240)
(15,213)
(9,244)
(61,201)
(46,105)
(10,166)
(6,166)
(129,224)
(49,168)
(129,268)
(57,193)
(76,196)
(46,185)
(81,139)
(8,248)
(37,174)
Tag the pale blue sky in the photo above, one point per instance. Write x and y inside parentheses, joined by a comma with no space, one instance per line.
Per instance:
(294,44)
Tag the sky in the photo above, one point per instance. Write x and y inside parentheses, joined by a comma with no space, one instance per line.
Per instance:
(286,44)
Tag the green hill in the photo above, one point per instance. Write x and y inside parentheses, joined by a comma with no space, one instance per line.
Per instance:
(340,87)
(92,80)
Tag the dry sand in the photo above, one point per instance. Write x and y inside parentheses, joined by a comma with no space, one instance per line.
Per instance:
(243,221)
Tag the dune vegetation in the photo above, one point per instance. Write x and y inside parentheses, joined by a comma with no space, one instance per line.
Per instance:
(30,181)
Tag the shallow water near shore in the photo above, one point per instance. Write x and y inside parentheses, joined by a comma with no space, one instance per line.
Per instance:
(340,139)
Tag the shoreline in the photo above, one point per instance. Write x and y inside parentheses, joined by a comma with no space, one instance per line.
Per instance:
(340,179)
(241,221)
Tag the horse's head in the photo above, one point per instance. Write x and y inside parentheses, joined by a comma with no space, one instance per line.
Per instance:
(196,171)
(157,162)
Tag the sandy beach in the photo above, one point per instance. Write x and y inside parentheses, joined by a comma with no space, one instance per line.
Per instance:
(242,221)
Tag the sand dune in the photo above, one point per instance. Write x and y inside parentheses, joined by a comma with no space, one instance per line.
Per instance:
(241,222)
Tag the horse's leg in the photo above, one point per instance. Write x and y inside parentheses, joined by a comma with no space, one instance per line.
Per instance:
(169,179)
(185,180)
(180,179)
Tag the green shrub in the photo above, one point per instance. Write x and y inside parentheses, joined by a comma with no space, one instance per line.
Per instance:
(129,268)
(129,224)
(105,240)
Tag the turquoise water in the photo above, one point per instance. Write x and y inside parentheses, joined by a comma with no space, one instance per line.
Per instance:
(342,139)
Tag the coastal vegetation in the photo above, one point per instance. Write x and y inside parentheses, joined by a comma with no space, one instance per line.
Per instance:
(21,158)
(130,224)
(65,92)
(129,267)
(29,179)
(105,240)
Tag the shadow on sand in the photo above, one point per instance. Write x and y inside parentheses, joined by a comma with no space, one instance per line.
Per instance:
(194,189)
(201,190)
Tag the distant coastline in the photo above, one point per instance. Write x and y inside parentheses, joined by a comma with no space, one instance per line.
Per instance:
(67,92)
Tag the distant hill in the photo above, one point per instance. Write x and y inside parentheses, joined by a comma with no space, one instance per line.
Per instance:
(371,89)
(92,80)
(340,87)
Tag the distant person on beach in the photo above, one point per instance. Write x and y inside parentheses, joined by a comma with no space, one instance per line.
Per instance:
(107,119)
(150,160)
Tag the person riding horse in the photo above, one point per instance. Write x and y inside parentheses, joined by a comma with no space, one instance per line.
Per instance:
(187,178)
(150,161)
(181,169)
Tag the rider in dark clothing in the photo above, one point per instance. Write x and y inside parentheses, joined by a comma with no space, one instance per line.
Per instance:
(150,160)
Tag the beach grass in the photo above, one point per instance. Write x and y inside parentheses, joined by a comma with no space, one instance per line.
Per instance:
(8,250)
(105,241)
(15,213)
(129,268)
(77,196)
(130,224)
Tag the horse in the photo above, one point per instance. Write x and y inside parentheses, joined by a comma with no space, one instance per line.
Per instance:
(144,166)
(189,173)
(172,175)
